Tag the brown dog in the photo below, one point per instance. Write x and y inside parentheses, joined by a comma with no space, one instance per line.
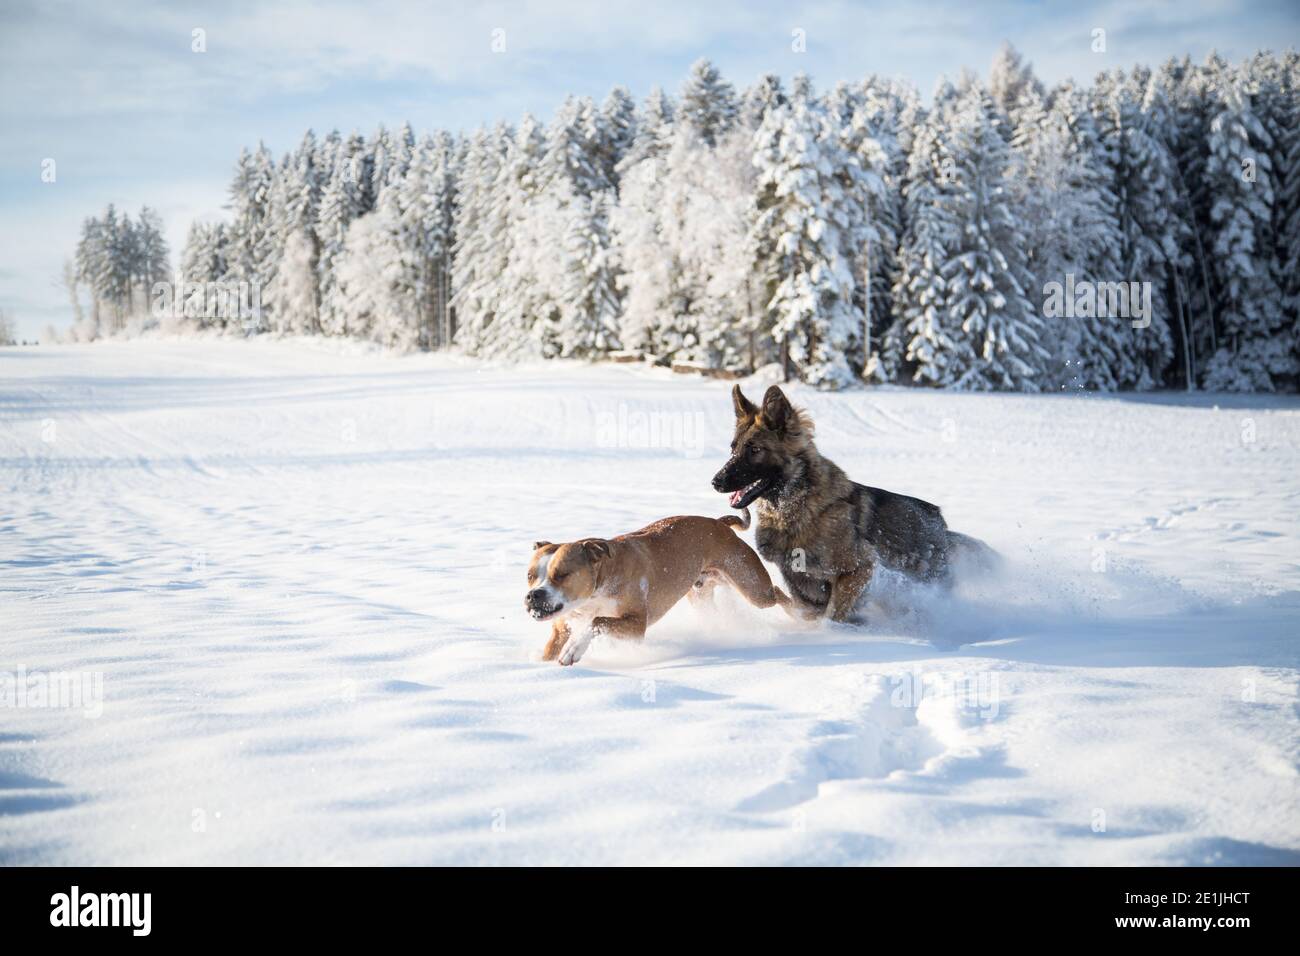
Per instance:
(622,585)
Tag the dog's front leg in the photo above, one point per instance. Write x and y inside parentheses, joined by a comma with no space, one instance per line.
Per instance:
(560,633)
(845,591)
(630,626)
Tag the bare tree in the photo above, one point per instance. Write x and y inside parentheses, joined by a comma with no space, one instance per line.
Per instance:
(6,329)
(68,282)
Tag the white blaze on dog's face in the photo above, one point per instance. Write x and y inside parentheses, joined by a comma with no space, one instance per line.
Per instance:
(562,577)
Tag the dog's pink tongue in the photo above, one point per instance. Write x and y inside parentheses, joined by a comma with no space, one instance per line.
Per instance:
(735,497)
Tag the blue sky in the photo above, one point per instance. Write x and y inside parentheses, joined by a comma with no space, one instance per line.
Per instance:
(114,94)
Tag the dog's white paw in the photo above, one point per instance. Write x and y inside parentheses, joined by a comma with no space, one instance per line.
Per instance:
(574,649)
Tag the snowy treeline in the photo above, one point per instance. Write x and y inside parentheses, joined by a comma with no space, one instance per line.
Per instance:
(342,237)
(850,233)
(117,260)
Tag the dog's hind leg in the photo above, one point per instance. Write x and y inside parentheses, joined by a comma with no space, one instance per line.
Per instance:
(971,553)
(744,571)
(701,592)
(845,591)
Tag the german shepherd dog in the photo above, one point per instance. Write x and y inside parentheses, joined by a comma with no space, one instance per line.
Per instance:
(825,532)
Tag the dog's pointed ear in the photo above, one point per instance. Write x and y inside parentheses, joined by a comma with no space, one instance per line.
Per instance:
(538,545)
(596,548)
(743,406)
(777,410)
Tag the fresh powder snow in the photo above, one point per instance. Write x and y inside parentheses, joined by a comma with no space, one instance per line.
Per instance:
(287,580)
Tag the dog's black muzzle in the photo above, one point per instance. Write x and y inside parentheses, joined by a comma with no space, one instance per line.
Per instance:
(725,481)
(536,604)
(743,481)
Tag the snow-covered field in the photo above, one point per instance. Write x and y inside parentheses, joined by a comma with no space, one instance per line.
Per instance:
(299,575)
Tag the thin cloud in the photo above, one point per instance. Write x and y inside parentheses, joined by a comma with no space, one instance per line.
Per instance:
(116,96)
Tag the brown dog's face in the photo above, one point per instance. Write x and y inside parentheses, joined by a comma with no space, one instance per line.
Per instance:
(765,439)
(562,576)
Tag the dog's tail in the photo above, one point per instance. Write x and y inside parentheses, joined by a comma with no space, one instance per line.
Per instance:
(741,523)
(973,552)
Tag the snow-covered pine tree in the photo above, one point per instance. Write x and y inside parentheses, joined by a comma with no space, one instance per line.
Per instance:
(907,115)
(903,118)
(1177,237)
(482,250)
(381,273)
(297,293)
(371,165)
(274,236)
(1183,92)
(428,204)
(294,293)
(378,277)
(760,99)
(680,309)
(808,219)
(113,279)
(119,261)
(1276,101)
(194,254)
(707,103)
(571,161)
(736,326)
(617,131)
(358,161)
(1287,211)
(249,258)
(1011,83)
(986,280)
(340,204)
(571,217)
(531,221)
(88,268)
(933,349)
(109,279)
(1141,178)
(678,334)
(126,257)
(710,195)
(866,115)
(1255,350)
(738,287)
(153,256)
(402,147)
(291,299)
(646,260)
(203,261)
(589,301)
(1047,199)
(1069,215)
